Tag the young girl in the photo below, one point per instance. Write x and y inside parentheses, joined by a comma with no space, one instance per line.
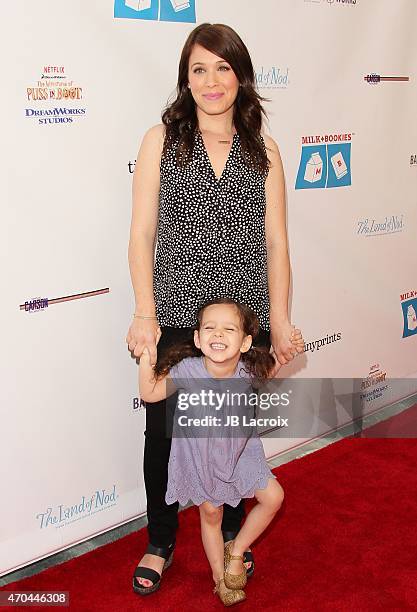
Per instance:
(211,467)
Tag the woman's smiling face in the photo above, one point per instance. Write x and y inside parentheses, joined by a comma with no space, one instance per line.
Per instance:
(213,83)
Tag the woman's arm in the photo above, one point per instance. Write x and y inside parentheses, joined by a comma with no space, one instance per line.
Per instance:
(278,259)
(151,390)
(145,201)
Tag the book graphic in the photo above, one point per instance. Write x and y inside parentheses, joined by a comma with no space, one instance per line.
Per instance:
(314,168)
(339,165)
(180,5)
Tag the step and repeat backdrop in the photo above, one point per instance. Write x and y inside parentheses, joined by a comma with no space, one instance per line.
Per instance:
(83,81)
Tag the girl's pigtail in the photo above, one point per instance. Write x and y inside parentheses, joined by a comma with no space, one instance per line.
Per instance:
(259,362)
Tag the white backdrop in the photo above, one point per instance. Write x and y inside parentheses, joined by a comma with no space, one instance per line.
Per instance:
(81,86)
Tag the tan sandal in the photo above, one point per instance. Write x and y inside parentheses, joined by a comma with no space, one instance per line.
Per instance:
(233,581)
(229,597)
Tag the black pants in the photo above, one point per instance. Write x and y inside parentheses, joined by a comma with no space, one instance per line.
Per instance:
(162,518)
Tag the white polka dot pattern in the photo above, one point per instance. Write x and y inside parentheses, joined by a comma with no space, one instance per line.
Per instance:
(210,237)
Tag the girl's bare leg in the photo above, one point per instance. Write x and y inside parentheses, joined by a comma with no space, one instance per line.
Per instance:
(269,502)
(211,535)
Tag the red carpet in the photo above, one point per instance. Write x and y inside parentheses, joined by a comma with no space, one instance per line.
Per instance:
(403,425)
(345,539)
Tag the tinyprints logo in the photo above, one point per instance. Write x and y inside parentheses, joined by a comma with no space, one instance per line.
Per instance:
(64,515)
(373,386)
(272,77)
(156,10)
(54,86)
(325,162)
(389,225)
(318,344)
(409,310)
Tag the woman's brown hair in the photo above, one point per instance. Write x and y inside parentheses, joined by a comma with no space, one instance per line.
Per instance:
(180,117)
(258,361)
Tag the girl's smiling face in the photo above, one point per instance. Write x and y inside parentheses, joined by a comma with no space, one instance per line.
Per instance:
(213,83)
(221,336)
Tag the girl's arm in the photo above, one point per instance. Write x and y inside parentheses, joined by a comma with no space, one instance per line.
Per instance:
(151,390)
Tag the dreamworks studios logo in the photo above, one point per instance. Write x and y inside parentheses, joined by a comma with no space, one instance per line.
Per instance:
(325,162)
(374,385)
(409,310)
(156,10)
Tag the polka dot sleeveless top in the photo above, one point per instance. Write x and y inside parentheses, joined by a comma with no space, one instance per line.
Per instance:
(210,236)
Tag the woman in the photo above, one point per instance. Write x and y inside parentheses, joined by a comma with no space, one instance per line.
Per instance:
(209,188)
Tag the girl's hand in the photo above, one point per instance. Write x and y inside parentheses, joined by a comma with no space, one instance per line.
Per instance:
(286,343)
(297,341)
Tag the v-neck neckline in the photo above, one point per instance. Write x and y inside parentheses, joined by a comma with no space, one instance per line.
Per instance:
(217,180)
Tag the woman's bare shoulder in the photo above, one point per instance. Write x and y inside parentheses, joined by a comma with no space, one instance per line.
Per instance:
(272,150)
(154,136)
(270,143)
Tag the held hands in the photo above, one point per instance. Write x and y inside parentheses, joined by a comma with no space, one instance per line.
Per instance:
(144,333)
(286,343)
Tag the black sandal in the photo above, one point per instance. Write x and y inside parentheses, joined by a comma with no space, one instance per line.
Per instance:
(167,553)
(247,555)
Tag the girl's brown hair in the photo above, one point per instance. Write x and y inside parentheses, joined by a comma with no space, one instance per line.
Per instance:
(180,117)
(258,361)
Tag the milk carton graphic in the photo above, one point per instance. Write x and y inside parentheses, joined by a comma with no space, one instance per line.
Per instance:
(138,5)
(314,168)
(411,318)
(180,5)
(339,165)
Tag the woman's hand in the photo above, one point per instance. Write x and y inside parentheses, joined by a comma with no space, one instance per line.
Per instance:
(144,334)
(286,343)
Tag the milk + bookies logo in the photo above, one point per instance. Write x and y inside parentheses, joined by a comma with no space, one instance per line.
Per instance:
(409,310)
(325,161)
(156,10)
